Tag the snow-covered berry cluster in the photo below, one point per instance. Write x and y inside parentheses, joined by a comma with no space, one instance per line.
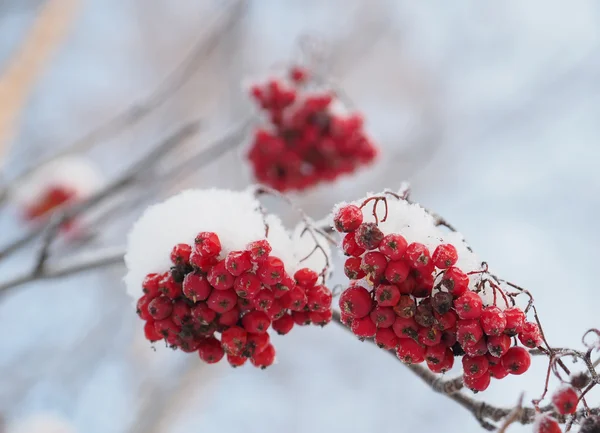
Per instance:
(413,294)
(219,299)
(305,142)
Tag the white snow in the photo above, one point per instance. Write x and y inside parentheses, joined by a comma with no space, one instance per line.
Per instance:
(235,216)
(43,422)
(304,244)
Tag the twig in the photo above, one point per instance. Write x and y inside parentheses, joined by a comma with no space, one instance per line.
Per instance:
(513,416)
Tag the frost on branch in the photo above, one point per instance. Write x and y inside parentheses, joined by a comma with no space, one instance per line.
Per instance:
(210,264)
(305,140)
(422,292)
(61,181)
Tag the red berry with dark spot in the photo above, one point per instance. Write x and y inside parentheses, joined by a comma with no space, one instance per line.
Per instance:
(236,361)
(230,317)
(468,332)
(386,339)
(445,321)
(160,308)
(477,349)
(256,343)
(284,324)
(151,333)
(417,255)
(397,272)
(468,305)
(271,271)
(264,300)
(546,424)
(393,246)
(352,268)
(475,366)
(406,328)
(406,307)
(167,328)
(276,310)
(259,250)
(435,354)
(301,318)
(150,285)
(207,244)
(182,314)
(444,256)
(410,352)
(319,299)
(238,262)
(265,358)
(320,319)
(306,277)
(297,299)
(283,287)
(497,371)
(477,384)
(233,340)
(356,302)
(222,301)
(142,307)
(210,350)
(169,287)
(348,218)
(387,295)
(374,264)
(530,335)
(180,254)
(350,247)
(565,400)
(219,277)
(202,314)
(364,327)
(368,236)
(203,264)
(383,317)
(247,285)
(196,287)
(516,360)
(493,320)
(256,322)
(445,365)
(455,281)
(408,286)
(430,336)
(515,318)
(498,345)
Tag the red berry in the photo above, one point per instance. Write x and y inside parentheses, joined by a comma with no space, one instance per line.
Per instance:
(233,340)
(350,247)
(180,254)
(160,308)
(417,255)
(150,285)
(498,345)
(516,360)
(383,317)
(565,400)
(259,250)
(256,322)
(386,338)
(319,299)
(348,218)
(373,264)
(271,271)
(284,324)
(219,277)
(430,336)
(169,287)
(393,246)
(265,358)
(306,277)
(238,262)
(408,286)
(201,263)
(181,313)
(356,302)
(546,424)
(320,319)
(475,366)
(455,281)
(397,272)
(247,285)
(410,352)
(515,318)
(435,354)
(445,365)
(236,361)
(493,320)
(297,299)
(468,332)
(530,335)
(301,318)
(387,295)
(230,317)
(477,349)
(352,268)
(151,333)
(207,244)
(368,236)
(202,314)
(444,256)
(364,327)
(167,328)
(497,371)
(196,287)
(222,301)
(264,300)
(286,284)
(445,321)
(424,285)
(468,306)
(405,328)
(142,307)
(299,74)
(477,384)
(210,350)
(256,343)
(405,307)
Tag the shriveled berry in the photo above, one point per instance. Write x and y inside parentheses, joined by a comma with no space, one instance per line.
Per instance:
(348,218)
(383,317)
(493,320)
(160,308)
(196,287)
(405,307)
(468,305)
(444,256)
(222,301)
(530,335)
(151,333)
(410,352)
(565,400)
(516,360)
(580,379)
(498,345)
(356,302)
(515,318)
(265,358)
(368,236)
(424,315)
(259,250)
(397,272)
(386,338)
(210,350)
(207,244)
(475,366)
(180,254)
(406,328)
(350,247)
(417,255)
(284,324)
(441,302)
(256,322)
(387,295)
(306,277)
(363,327)
(455,281)
(238,262)
(477,384)
(247,285)
(591,424)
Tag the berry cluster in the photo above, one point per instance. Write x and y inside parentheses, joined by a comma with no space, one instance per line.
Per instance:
(306,142)
(238,295)
(420,305)
(51,198)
